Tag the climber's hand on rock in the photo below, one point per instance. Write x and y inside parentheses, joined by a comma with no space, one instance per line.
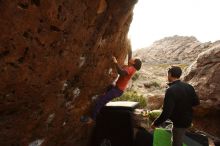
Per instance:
(113,75)
(114,59)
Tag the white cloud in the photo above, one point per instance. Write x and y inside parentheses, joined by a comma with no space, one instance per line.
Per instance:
(155,19)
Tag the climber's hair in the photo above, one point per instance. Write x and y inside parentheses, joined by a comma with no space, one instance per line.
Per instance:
(175,71)
(137,64)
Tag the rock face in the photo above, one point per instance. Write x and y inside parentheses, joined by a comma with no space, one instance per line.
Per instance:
(54,57)
(155,102)
(204,75)
(176,49)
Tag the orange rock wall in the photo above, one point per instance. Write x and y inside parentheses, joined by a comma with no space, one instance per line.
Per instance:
(54,57)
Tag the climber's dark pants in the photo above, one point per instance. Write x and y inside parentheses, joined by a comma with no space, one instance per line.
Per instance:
(110,94)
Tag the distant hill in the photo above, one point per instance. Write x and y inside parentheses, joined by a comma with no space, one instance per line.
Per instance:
(174,50)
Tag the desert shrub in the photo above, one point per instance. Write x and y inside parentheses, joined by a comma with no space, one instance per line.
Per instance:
(163,65)
(151,84)
(154,114)
(155,84)
(133,96)
(183,66)
(166,66)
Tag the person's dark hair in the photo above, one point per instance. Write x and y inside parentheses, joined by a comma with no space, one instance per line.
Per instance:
(137,64)
(175,71)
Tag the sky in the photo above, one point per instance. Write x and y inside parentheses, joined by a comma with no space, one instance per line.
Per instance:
(156,19)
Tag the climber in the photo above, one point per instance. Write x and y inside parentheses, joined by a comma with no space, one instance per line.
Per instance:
(180,98)
(125,74)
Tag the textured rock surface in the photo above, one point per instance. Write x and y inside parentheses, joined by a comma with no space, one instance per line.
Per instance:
(155,102)
(54,57)
(204,75)
(174,49)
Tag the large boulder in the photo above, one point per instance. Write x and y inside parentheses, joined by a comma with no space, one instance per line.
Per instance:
(55,56)
(204,75)
(155,102)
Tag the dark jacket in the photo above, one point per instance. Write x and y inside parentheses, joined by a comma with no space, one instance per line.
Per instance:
(178,102)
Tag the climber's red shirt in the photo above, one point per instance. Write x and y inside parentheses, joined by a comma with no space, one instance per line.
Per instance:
(123,80)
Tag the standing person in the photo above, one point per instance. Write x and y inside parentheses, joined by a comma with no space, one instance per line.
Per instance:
(178,105)
(125,74)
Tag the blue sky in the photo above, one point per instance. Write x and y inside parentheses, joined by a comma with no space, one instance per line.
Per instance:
(156,19)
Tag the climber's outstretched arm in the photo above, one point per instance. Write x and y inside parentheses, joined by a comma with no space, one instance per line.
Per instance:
(129,54)
(119,69)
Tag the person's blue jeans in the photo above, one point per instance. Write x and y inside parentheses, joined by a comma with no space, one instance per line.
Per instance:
(111,93)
